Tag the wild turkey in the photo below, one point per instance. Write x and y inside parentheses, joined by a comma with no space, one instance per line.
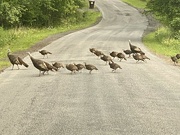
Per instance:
(144,56)
(50,67)
(138,57)
(178,56)
(39,64)
(121,56)
(114,66)
(44,53)
(106,58)
(72,68)
(113,54)
(58,65)
(15,60)
(90,67)
(79,66)
(92,50)
(134,49)
(98,53)
(174,59)
(128,52)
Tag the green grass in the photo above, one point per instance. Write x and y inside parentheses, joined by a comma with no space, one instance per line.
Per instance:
(136,3)
(23,38)
(159,41)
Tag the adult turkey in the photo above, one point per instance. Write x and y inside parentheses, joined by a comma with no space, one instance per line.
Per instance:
(90,67)
(15,60)
(114,66)
(133,48)
(40,65)
(44,53)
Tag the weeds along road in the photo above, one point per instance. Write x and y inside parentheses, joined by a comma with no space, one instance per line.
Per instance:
(141,98)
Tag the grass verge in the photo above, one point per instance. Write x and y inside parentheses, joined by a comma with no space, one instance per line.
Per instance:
(136,3)
(24,38)
(159,41)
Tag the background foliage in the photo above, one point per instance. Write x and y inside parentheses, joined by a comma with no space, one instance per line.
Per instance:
(169,12)
(39,13)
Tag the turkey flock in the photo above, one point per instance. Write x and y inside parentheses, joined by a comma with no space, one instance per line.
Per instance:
(44,67)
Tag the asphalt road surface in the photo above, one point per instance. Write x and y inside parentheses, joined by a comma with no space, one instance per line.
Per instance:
(140,98)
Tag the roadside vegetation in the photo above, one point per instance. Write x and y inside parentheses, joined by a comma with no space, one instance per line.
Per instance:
(166,39)
(24,23)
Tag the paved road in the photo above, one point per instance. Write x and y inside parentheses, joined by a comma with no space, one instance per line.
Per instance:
(141,98)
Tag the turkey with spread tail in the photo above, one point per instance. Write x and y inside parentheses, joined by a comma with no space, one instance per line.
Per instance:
(15,60)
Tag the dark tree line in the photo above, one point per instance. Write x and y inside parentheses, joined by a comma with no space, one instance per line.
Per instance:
(39,13)
(169,11)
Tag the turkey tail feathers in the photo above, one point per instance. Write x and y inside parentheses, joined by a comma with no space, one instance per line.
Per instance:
(22,62)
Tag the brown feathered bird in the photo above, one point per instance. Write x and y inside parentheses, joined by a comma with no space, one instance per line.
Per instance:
(144,56)
(138,57)
(128,52)
(178,56)
(15,60)
(58,65)
(114,66)
(92,50)
(113,54)
(106,58)
(90,67)
(174,59)
(50,67)
(98,53)
(39,64)
(79,66)
(133,48)
(44,53)
(72,68)
(121,56)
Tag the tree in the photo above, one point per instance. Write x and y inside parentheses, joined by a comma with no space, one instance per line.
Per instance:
(168,10)
(39,13)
